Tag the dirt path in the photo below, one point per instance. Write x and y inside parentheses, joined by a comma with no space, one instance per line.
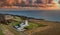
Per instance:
(5,30)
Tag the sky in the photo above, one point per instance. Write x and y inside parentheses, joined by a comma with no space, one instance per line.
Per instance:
(9,2)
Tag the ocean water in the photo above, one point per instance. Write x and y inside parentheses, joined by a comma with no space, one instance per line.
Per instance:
(50,15)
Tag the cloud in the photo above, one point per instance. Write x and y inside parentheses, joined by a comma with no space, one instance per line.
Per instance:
(22,2)
(7,2)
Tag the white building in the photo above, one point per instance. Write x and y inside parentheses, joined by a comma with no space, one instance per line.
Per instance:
(22,25)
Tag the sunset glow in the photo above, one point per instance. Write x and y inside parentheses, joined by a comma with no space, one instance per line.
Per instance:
(43,4)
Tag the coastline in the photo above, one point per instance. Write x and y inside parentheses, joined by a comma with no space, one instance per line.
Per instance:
(50,29)
(32,18)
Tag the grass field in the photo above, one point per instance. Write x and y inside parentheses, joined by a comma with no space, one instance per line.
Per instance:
(17,18)
(1,33)
(33,25)
(15,23)
(12,30)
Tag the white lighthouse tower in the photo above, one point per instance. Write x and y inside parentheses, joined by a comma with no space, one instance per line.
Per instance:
(26,23)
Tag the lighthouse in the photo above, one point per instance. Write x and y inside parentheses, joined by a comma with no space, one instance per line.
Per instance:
(26,23)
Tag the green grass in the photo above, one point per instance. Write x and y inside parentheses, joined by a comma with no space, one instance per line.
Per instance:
(1,33)
(34,25)
(17,18)
(31,25)
(15,23)
(12,30)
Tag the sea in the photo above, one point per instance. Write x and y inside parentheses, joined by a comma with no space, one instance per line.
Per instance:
(50,15)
